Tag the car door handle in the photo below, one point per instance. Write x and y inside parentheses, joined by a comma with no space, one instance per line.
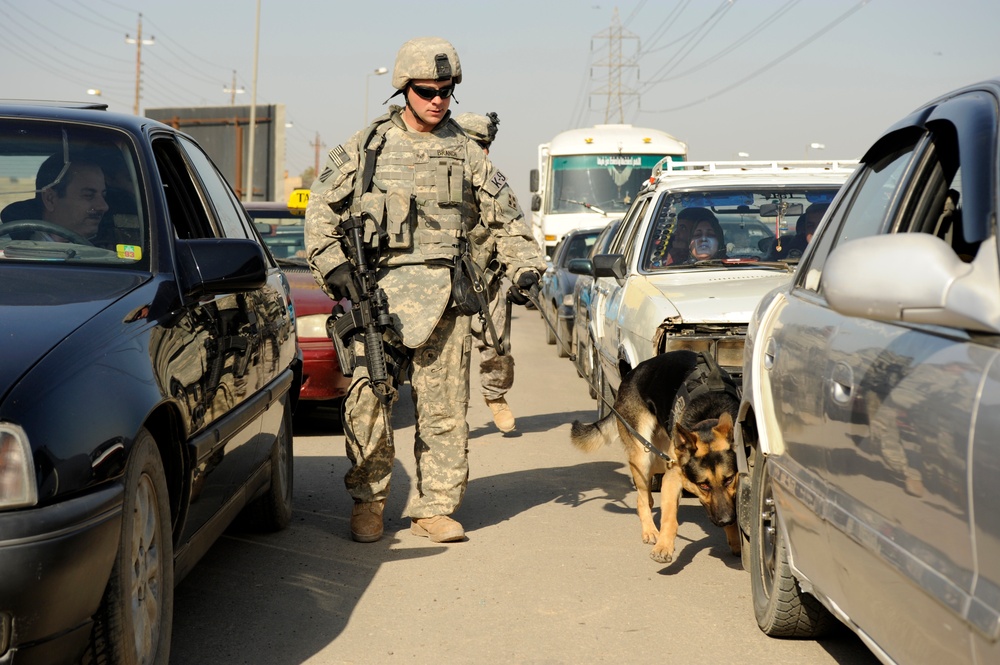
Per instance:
(842,383)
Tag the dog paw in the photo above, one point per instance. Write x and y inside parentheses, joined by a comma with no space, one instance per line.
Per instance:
(661,557)
(649,537)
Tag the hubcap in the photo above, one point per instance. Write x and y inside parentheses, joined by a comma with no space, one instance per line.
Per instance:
(145,569)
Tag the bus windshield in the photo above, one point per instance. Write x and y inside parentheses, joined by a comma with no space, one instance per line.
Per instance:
(609,182)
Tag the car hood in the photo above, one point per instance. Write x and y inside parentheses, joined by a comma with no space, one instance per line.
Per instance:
(717,296)
(307,296)
(41,307)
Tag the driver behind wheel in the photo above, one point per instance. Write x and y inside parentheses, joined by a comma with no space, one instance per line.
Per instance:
(71,195)
(67,194)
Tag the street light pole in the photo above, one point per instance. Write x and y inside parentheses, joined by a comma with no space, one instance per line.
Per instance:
(377,72)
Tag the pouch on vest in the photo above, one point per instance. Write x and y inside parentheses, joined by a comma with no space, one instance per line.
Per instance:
(399,219)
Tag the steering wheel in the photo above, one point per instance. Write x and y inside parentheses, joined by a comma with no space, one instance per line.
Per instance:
(44,227)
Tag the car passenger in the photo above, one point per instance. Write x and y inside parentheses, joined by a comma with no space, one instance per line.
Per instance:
(789,247)
(707,239)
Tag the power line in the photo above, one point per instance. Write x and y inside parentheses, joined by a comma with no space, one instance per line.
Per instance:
(784,56)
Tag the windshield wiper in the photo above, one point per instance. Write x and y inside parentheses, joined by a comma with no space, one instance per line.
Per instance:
(586,205)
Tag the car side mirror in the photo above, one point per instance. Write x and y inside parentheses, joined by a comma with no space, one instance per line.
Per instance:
(609,265)
(914,278)
(581,267)
(214,266)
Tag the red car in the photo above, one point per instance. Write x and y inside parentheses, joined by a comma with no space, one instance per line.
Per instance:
(282,228)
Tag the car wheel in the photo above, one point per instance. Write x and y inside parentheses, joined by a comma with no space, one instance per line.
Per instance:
(592,377)
(565,334)
(781,607)
(272,511)
(134,621)
(548,322)
(577,347)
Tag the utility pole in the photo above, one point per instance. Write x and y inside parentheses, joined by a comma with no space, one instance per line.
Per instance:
(614,90)
(317,145)
(248,192)
(233,90)
(138,41)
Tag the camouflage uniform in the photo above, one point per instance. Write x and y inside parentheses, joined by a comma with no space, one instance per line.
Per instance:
(422,184)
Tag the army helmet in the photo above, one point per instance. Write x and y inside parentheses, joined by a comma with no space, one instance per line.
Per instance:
(481,128)
(430,58)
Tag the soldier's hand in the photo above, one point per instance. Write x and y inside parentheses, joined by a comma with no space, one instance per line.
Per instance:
(341,284)
(526,284)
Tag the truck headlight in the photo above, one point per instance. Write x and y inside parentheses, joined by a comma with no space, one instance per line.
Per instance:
(17,469)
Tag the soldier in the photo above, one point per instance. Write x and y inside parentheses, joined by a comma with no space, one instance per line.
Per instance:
(427,192)
(496,372)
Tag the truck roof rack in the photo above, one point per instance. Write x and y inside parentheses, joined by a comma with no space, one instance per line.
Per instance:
(668,166)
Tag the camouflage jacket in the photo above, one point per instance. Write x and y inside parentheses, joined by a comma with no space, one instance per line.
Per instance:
(428,191)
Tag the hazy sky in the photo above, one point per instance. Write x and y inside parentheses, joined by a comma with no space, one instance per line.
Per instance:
(766,77)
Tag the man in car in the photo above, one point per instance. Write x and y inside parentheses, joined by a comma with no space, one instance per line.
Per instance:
(71,195)
(793,246)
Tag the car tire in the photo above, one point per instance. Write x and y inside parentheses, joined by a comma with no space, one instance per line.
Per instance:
(272,511)
(781,607)
(592,377)
(135,619)
(548,322)
(604,399)
(565,334)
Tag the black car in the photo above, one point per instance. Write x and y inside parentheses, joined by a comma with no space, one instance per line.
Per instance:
(556,297)
(148,372)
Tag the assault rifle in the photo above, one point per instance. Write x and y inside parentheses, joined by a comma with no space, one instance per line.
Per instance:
(368,316)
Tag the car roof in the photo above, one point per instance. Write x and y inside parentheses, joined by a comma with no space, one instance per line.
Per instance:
(96,114)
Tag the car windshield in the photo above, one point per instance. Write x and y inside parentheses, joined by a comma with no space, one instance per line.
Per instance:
(70,193)
(731,228)
(283,232)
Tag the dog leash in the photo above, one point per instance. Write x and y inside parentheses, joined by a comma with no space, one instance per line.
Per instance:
(532,296)
(649,447)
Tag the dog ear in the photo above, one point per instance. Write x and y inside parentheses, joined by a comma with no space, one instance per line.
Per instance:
(724,430)
(685,443)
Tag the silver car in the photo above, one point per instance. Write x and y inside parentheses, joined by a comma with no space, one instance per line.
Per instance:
(867,437)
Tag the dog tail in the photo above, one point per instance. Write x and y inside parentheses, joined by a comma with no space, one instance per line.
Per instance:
(590,437)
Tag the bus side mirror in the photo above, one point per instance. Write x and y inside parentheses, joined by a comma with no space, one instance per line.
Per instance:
(533,181)
(536,203)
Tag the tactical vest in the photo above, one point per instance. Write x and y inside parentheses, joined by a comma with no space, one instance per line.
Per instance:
(418,195)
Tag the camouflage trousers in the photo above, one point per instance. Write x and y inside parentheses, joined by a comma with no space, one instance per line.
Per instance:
(439,382)
(496,372)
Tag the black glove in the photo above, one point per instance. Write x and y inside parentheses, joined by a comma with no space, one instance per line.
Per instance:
(528,280)
(340,283)
(527,284)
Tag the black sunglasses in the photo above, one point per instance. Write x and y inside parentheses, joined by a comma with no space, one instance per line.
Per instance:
(431,93)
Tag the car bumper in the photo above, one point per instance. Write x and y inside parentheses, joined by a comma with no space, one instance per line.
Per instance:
(55,563)
(321,375)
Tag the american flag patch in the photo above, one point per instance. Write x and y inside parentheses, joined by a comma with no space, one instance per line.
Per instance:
(499,180)
(338,156)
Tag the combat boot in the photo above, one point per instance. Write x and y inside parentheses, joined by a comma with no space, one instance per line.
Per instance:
(440,529)
(502,415)
(366,521)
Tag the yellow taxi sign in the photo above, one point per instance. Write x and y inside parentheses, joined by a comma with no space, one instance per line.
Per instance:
(298,200)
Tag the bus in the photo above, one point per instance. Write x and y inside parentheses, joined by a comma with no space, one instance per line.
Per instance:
(588,177)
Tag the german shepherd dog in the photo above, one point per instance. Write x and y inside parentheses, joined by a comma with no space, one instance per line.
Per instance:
(685,405)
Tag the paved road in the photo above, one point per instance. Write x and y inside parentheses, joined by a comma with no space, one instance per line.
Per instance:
(554,570)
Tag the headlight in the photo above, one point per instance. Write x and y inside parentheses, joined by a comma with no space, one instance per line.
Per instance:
(17,469)
(729,353)
(312,326)
(682,344)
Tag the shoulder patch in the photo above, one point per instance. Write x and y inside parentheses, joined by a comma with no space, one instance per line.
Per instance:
(325,175)
(498,180)
(338,156)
